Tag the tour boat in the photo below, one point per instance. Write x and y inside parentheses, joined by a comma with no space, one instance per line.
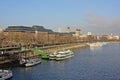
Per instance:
(5,74)
(52,56)
(61,55)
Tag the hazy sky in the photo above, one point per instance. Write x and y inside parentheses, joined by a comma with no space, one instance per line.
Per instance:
(97,16)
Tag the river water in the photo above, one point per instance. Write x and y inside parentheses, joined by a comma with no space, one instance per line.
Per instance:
(101,63)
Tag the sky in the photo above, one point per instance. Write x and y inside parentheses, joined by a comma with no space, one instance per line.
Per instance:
(96,16)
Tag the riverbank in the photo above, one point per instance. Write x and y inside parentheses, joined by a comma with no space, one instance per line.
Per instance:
(113,42)
(71,46)
(47,49)
(27,53)
(53,48)
(64,47)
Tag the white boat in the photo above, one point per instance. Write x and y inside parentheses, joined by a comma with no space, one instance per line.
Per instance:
(30,62)
(53,55)
(22,62)
(97,44)
(61,55)
(5,74)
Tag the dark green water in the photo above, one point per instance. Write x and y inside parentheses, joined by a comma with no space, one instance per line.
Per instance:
(88,64)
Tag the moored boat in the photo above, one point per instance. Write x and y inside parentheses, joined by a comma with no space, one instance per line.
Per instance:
(61,55)
(42,53)
(5,74)
(45,56)
(52,56)
(30,62)
(97,44)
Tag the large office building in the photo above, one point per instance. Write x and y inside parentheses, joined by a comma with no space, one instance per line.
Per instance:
(27,29)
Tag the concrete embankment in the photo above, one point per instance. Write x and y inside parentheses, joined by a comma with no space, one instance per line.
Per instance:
(64,47)
(113,42)
(14,55)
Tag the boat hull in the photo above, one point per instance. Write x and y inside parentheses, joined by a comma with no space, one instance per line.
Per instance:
(63,58)
(32,64)
(6,75)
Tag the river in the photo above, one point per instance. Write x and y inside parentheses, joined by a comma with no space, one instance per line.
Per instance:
(101,63)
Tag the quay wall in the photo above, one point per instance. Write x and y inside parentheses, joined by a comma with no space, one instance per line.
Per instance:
(13,55)
(64,47)
(53,48)
(48,49)
(70,46)
(113,42)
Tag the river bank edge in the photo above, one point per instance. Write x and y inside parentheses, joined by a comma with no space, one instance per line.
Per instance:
(74,46)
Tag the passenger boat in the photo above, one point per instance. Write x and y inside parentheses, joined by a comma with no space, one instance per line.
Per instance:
(5,74)
(30,62)
(52,56)
(61,55)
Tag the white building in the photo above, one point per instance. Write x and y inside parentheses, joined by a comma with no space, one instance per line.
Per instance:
(89,33)
(59,30)
(116,37)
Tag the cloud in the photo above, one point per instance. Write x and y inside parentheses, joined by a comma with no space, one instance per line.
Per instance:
(103,25)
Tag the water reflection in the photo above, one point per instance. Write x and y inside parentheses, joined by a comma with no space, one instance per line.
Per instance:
(27,69)
(96,48)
